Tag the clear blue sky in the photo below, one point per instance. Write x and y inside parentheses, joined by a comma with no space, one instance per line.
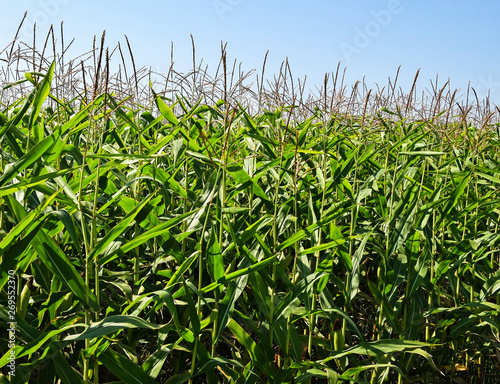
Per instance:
(454,39)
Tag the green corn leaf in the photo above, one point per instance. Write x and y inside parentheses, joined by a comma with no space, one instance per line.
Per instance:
(179,378)
(153,365)
(144,237)
(379,348)
(112,324)
(166,111)
(422,153)
(118,229)
(251,347)
(55,259)
(29,158)
(41,95)
(124,369)
(226,307)
(215,362)
(193,313)
(242,272)
(28,183)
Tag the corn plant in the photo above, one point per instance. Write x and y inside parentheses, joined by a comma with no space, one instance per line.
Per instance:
(176,240)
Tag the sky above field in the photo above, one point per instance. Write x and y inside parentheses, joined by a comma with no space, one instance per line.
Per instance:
(453,39)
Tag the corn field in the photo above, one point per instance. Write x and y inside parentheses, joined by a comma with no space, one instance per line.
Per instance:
(225,235)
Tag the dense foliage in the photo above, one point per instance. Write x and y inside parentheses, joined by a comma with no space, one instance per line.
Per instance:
(182,242)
